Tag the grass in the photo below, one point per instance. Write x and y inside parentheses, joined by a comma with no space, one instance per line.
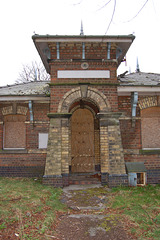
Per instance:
(29,207)
(141,205)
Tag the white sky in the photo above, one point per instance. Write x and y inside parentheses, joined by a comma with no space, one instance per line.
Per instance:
(19,19)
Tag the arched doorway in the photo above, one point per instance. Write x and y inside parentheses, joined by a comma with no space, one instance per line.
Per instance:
(82,141)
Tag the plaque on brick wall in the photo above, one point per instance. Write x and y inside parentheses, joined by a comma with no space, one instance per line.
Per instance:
(83,74)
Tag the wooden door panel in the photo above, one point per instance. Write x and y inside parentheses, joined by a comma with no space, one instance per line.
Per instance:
(82,141)
(82,164)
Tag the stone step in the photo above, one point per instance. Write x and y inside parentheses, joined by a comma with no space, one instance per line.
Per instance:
(84,179)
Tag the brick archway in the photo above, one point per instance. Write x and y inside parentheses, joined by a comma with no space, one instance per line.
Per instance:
(84,92)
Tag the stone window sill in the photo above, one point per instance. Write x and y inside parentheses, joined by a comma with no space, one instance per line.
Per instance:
(149,151)
(2,151)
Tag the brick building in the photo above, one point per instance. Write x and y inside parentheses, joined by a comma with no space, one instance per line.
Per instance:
(86,125)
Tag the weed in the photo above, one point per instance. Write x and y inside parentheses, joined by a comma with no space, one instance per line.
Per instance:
(3,225)
(109,222)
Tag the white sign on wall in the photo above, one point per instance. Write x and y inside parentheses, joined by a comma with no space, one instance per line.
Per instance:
(43,140)
(83,74)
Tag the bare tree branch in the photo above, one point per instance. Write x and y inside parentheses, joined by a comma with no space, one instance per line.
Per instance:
(33,72)
(136,13)
(111,17)
(104,5)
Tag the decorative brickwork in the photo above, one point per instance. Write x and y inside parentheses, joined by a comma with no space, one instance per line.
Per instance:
(22,110)
(7,110)
(148,102)
(10,110)
(77,93)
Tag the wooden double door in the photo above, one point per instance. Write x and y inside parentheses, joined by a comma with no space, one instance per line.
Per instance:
(82,141)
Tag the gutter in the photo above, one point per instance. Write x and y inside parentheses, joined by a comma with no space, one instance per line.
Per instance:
(142,90)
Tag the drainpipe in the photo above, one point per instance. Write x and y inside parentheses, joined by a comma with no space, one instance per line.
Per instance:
(58,54)
(108,50)
(83,50)
(31,111)
(134,100)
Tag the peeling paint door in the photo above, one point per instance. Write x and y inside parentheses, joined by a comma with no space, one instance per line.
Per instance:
(82,141)
(132,179)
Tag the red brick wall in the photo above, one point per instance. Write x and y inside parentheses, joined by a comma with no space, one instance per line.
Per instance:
(131,136)
(72,50)
(71,59)
(76,65)
(31,161)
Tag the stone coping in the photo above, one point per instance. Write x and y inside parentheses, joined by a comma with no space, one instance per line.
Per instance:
(59,115)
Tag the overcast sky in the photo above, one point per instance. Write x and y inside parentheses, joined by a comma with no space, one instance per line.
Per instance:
(19,20)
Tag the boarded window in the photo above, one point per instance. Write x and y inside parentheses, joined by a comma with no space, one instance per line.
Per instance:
(150,127)
(43,140)
(14,131)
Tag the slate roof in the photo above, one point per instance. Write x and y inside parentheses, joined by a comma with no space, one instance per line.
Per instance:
(139,79)
(24,89)
(41,88)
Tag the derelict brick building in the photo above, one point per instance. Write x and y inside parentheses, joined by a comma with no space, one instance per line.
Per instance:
(85,125)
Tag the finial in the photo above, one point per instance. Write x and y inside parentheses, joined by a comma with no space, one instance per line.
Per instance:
(137,68)
(81,32)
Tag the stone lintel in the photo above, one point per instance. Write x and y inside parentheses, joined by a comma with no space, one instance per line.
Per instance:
(109,115)
(59,115)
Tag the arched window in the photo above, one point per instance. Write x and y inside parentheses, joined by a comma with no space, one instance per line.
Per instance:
(150,125)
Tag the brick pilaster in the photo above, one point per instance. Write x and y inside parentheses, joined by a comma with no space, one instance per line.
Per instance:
(112,158)
(57,151)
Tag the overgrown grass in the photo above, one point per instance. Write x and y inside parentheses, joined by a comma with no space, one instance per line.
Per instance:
(28,206)
(142,206)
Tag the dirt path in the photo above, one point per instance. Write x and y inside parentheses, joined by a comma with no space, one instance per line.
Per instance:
(88,216)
